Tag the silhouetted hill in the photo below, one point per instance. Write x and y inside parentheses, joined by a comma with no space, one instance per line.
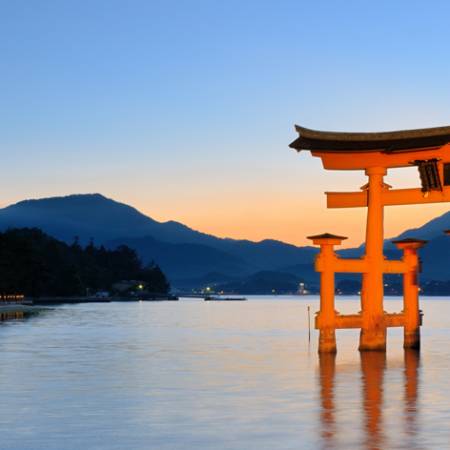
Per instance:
(264,282)
(189,255)
(210,279)
(268,252)
(184,260)
(436,259)
(92,216)
(430,230)
(181,251)
(305,271)
(436,253)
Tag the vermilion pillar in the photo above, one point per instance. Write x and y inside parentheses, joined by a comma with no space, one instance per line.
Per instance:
(373,331)
(325,264)
(411,309)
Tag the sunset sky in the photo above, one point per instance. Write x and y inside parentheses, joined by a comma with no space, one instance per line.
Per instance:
(185,109)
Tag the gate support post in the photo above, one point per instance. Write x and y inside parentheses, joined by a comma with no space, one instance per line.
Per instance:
(411,309)
(326,265)
(373,331)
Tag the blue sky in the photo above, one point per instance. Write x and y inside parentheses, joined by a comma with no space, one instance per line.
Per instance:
(184,109)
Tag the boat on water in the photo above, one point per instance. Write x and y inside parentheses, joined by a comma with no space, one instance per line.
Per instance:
(214,298)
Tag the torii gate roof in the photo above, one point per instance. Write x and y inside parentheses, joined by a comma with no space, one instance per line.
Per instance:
(390,141)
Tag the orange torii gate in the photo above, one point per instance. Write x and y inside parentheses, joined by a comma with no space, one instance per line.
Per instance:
(375,153)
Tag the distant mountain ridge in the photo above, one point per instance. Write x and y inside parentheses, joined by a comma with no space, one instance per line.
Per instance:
(186,254)
(92,216)
(430,230)
(181,251)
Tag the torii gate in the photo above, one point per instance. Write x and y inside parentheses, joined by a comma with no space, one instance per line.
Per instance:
(427,149)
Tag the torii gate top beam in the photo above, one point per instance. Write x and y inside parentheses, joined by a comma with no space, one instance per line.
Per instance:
(428,149)
(386,141)
(357,151)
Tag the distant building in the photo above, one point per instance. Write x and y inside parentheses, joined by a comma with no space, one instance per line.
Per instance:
(302,289)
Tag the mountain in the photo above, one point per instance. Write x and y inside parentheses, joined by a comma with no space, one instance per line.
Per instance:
(184,260)
(189,256)
(435,258)
(93,216)
(435,255)
(263,282)
(181,251)
(210,279)
(430,230)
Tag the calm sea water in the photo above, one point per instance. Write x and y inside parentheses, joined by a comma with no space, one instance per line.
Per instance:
(199,375)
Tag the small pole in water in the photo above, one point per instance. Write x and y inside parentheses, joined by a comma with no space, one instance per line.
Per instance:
(309,324)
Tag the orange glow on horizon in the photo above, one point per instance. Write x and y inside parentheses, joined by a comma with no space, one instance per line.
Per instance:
(288,205)
(291,220)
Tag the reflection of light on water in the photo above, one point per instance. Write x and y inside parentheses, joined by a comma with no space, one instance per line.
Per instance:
(13,315)
(372,371)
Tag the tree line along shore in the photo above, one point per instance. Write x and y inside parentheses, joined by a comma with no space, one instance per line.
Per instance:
(35,265)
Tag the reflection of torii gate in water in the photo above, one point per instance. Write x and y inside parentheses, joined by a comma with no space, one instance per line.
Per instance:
(373,365)
(429,150)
